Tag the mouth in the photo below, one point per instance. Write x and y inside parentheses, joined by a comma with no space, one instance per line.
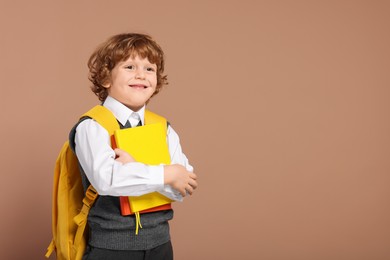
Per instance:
(138,86)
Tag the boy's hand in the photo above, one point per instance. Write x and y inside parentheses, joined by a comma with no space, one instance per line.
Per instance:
(122,156)
(180,179)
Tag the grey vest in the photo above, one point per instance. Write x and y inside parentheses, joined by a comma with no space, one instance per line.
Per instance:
(110,230)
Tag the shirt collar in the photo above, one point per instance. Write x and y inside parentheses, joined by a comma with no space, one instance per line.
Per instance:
(122,112)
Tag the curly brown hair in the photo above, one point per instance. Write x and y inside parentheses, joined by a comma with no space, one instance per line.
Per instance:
(119,48)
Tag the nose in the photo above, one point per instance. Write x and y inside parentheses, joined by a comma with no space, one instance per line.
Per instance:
(140,74)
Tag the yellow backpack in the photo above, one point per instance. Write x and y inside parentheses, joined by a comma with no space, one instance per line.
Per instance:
(70,206)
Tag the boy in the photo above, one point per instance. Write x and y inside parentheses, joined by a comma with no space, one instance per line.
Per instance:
(126,71)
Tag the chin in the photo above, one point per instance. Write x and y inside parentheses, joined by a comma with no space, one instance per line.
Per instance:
(135,107)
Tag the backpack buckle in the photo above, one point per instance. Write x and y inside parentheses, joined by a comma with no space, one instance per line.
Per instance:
(90,196)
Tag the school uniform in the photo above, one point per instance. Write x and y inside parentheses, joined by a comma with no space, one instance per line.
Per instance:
(112,236)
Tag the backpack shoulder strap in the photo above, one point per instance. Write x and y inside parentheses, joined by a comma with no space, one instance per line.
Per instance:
(104,117)
(153,118)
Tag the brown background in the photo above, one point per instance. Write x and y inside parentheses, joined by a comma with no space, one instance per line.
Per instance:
(282,107)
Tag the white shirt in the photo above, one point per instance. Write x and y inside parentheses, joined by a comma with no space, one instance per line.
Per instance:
(110,177)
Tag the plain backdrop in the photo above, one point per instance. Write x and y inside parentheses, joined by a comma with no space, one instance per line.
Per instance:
(282,108)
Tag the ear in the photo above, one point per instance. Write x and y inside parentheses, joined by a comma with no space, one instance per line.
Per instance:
(107,82)
(106,85)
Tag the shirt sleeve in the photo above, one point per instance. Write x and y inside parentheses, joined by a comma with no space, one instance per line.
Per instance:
(108,176)
(177,157)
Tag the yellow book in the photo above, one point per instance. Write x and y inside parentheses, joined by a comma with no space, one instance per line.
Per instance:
(147,144)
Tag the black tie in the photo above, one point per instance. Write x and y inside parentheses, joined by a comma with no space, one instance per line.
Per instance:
(128,125)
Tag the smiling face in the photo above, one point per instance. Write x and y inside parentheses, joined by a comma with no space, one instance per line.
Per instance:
(133,82)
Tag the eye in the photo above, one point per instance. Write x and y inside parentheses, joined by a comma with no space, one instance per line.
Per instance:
(130,67)
(151,69)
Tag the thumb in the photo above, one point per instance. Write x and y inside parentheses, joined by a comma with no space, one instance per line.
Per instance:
(119,152)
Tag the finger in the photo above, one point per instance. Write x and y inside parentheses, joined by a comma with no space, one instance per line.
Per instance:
(193,183)
(192,175)
(183,192)
(189,189)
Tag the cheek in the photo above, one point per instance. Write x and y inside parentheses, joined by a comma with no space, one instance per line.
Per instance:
(155,81)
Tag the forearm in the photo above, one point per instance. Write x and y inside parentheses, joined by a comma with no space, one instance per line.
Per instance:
(108,176)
